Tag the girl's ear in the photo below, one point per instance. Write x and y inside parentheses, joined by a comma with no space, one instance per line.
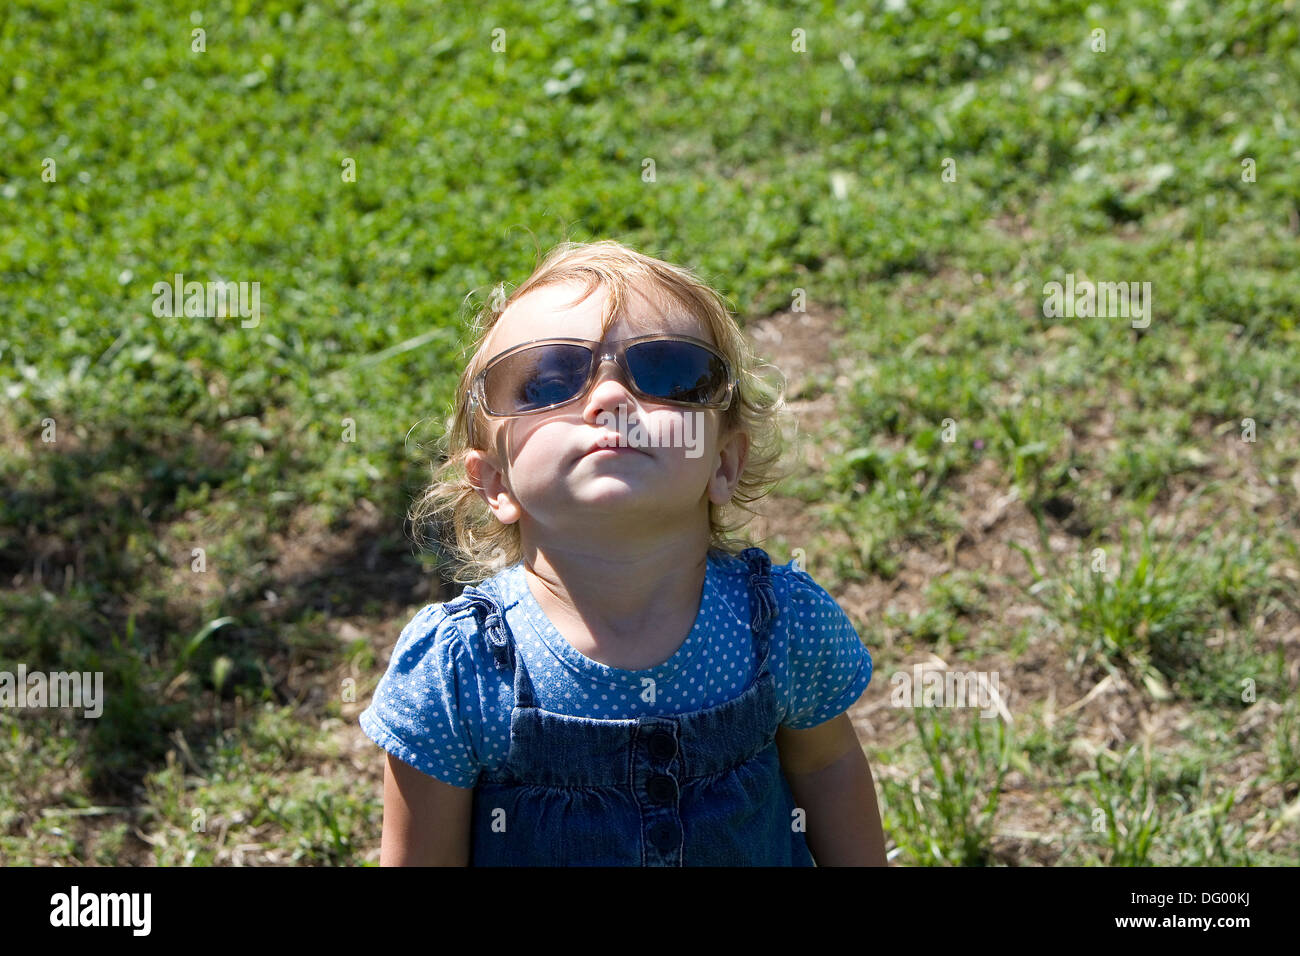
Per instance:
(489,480)
(733,452)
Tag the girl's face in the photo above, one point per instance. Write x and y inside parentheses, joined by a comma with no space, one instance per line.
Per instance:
(543,470)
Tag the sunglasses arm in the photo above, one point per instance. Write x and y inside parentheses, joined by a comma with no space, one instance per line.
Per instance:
(472,414)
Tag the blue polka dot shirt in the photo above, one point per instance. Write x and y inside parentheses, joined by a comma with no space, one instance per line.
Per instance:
(443,706)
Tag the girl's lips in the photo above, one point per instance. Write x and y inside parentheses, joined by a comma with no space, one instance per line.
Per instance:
(610,443)
(620,450)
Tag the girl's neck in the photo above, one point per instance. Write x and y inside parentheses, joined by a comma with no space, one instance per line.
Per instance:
(630,611)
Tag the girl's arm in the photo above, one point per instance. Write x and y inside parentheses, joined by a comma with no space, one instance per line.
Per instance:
(426,821)
(831,781)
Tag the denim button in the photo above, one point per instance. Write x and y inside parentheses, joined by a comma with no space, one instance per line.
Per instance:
(662,788)
(662,746)
(664,836)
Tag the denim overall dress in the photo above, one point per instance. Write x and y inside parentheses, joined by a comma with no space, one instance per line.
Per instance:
(704,788)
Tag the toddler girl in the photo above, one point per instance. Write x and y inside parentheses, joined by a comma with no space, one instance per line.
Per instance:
(624,685)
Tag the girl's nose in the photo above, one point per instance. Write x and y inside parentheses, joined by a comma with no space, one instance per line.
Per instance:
(610,387)
(609,368)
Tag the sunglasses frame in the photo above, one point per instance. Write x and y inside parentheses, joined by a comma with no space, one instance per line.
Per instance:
(600,353)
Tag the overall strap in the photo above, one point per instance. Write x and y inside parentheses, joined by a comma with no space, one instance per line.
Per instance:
(762,600)
(492,623)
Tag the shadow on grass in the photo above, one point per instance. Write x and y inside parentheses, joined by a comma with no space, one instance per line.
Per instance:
(88,584)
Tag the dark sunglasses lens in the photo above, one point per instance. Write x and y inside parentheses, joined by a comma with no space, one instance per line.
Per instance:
(678,371)
(535,378)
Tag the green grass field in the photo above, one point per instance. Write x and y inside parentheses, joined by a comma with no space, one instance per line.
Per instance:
(919,170)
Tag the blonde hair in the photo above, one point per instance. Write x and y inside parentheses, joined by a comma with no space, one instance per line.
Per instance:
(478,544)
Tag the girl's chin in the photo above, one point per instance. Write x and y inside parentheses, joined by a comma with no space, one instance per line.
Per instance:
(612,495)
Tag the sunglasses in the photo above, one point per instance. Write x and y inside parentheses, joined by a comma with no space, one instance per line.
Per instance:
(548,373)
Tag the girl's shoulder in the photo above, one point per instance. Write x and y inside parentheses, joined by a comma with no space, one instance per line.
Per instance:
(808,609)
(431,632)
(790,580)
(796,589)
(458,626)
(446,629)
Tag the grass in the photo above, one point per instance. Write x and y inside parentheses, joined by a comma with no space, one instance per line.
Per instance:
(188,509)
(1144,812)
(947,817)
(1150,616)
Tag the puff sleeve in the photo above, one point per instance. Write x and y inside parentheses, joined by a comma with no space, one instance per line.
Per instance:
(425,710)
(829,666)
